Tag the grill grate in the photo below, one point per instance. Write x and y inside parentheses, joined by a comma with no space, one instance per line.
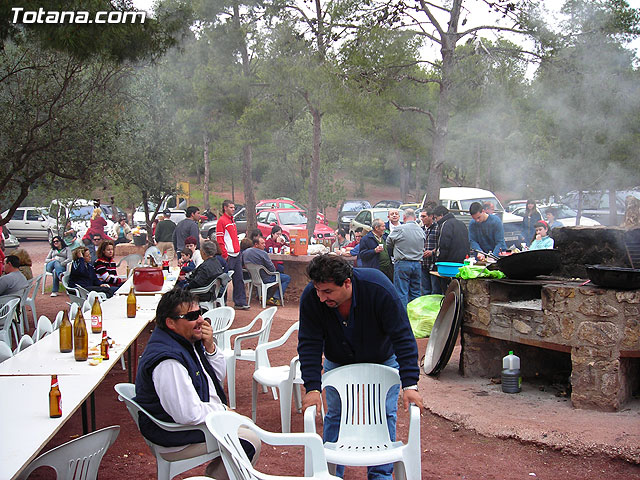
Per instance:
(632,245)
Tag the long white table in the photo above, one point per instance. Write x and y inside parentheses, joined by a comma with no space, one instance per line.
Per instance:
(25,381)
(26,425)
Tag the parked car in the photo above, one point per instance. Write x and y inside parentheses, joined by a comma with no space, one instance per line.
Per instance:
(595,204)
(290,219)
(459,199)
(79,212)
(10,240)
(30,222)
(388,204)
(413,206)
(280,203)
(514,205)
(565,215)
(208,229)
(348,210)
(366,217)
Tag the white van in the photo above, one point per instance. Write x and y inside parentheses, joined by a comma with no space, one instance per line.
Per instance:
(459,199)
(79,211)
(177,206)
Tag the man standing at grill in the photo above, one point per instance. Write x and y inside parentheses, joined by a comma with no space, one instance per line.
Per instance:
(227,238)
(354,316)
(486,232)
(406,241)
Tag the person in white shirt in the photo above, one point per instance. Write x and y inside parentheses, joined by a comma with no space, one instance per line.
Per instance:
(179,379)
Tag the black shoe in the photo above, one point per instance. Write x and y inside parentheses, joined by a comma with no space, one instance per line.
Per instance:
(241,307)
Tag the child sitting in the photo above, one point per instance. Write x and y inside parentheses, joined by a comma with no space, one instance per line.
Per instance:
(186,265)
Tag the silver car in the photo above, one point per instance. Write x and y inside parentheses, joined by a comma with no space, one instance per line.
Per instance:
(30,222)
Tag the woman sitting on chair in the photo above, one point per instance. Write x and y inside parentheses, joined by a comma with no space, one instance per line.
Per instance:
(106,269)
(56,262)
(83,274)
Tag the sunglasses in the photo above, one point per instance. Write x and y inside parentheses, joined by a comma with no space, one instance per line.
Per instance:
(191,316)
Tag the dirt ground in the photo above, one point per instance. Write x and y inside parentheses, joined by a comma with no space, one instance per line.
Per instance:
(451,449)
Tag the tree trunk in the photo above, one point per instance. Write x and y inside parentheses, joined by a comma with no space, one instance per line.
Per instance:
(205,178)
(315,169)
(249,196)
(613,207)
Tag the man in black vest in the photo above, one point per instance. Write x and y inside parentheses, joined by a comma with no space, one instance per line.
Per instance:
(180,378)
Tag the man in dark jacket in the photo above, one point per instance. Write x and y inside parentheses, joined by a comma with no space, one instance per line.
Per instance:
(207,272)
(373,252)
(453,239)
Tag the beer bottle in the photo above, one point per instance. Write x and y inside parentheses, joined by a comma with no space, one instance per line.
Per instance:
(80,338)
(96,316)
(66,333)
(104,346)
(55,404)
(131,304)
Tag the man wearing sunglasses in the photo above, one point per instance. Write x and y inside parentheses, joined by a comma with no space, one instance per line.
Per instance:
(179,380)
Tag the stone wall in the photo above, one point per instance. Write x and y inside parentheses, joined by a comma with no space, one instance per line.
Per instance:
(598,327)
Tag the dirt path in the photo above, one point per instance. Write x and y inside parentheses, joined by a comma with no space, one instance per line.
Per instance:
(449,450)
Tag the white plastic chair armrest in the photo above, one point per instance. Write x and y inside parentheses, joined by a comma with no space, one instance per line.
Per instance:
(237,343)
(246,328)
(293,368)
(310,419)
(414,425)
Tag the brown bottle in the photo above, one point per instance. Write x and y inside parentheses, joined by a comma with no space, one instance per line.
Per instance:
(96,316)
(104,346)
(55,404)
(80,338)
(66,333)
(131,304)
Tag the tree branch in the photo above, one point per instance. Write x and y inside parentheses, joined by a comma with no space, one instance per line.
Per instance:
(416,110)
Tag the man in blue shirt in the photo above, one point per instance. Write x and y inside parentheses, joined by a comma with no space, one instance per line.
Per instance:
(354,316)
(486,232)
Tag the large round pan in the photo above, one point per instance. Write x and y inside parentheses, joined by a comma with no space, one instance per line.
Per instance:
(443,329)
(529,264)
(614,277)
(455,328)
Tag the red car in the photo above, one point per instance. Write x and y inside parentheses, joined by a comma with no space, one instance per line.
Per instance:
(288,219)
(285,203)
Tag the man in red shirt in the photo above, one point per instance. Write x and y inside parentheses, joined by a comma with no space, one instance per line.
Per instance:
(227,238)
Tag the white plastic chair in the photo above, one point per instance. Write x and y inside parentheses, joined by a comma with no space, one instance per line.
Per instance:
(29,299)
(237,353)
(43,328)
(256,280)
(210,288)
(46,274)
(167,469)
(224,426)
(25,342)
(78,459)
(283,378)
(58,320)
(73,311)
(221,319)
(77,294)
(5,351)
(220,288)
(132,260)
(364,436)
(8,319)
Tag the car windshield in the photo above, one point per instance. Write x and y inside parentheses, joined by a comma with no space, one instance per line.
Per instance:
(561,212)
(292,218)
(355,206)
(81,213)
(466,203)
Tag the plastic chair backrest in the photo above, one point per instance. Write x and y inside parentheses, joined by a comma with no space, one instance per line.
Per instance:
(363,389)
(58,320)
(43,328)
(262,358)
(25,342)
(131,260)
(221,319)
(5,351)
(7,314)
(73,311)
(254,271)
(78,459)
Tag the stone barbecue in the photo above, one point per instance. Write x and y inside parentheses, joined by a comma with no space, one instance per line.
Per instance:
(563,331)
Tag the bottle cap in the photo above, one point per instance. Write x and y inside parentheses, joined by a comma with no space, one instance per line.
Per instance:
(510,352)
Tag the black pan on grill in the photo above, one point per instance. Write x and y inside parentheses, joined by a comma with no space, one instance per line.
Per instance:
(614,277)
(529,264)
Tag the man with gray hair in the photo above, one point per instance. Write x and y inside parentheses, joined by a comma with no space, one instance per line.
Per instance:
(208,270)
(373,252)
(407,243)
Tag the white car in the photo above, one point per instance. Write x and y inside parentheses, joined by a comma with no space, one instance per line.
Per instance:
(459,199)
(31,222)
(79,211)
(565,215)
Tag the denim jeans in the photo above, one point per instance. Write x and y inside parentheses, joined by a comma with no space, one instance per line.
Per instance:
(239,295)
(284,279)
(426,282)
(407,277)
(57,269)
(332,420)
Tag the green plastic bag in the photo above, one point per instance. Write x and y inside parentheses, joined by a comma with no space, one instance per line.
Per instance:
(423,312)
(472,271)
